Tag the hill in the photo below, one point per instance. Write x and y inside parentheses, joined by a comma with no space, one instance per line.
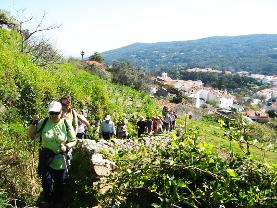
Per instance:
(253,53)
(27,89)
(178,169)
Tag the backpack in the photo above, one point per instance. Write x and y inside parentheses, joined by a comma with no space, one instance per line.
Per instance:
(46,156)
(74,114)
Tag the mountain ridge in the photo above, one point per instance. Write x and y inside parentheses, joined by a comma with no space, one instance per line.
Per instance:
(256,53)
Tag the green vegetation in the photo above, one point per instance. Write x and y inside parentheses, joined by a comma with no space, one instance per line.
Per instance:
(211,132)
(96,57)
(253,53)
(127,74)
(185,172)
(176,170)
(233,83)
(26,89)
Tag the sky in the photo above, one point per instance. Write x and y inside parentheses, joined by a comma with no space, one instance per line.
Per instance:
(102,25)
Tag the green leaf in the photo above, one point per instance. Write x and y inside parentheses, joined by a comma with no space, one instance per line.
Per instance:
(231,172)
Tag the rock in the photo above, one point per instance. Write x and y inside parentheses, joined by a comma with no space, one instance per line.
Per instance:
(102,167)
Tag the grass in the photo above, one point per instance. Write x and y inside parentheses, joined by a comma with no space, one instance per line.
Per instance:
(212,133)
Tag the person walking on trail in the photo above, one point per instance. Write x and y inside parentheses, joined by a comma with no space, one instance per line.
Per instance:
(107,128)
(149,123)
(83,124)
(173,120)
(121,130)
(141,124)
(157,125)
(56,138)
(167,121)
(68,112)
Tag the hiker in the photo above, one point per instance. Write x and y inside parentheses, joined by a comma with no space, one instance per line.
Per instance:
(165,110)
(173,120)
(83,123)
(167,121)
(141,124)
(121,130)
(160,124)
(56,138)
(157,125)
(107,128)
(149,124)
(68,112)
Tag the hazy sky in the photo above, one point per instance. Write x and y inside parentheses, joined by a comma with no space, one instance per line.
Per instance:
(101,25)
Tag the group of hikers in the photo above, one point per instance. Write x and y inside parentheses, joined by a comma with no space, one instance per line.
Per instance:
(59,132)
(155,125)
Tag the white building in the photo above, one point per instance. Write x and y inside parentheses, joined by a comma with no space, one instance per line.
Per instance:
(202,96)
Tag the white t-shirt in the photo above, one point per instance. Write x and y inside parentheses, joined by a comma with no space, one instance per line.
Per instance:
(81,125)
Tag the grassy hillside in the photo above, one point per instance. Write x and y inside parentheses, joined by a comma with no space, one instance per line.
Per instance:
(212,133)
(26,89)
(254,53)
(177,171)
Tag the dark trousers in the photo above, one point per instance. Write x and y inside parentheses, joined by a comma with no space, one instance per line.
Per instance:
(173,125)
(166,126)
(80,135)
(53,184)
(107,135)
(140,132)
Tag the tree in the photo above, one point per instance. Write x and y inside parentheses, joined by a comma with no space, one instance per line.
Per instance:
(82,54)
(7,19)
(127,74)
(42,51)
(97,57)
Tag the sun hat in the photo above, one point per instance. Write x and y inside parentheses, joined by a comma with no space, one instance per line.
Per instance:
(108,117)
(55,106)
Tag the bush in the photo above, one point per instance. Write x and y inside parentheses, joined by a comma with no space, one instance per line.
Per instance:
(180,172)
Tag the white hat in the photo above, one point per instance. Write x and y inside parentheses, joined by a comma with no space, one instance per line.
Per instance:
(108,117)
(55,106)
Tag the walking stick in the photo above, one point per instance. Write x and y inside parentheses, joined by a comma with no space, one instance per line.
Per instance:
(33,160)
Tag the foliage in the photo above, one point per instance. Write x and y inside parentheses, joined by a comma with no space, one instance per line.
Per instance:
(214,103)
(253,53)
(97,57)
(26,89)
(272,114)
(18,176)
(79,188)
(210,131)
(168,171)
(234,83)
(246,131)
(183,172)
(127,74)
(6,18)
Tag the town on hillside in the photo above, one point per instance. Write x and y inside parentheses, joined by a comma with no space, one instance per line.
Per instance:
(201,96)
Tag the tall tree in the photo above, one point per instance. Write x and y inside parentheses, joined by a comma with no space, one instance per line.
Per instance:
(97,57)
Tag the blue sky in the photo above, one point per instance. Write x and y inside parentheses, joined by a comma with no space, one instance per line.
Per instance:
(101,25)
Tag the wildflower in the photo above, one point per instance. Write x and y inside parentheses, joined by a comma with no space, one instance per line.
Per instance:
(255,141)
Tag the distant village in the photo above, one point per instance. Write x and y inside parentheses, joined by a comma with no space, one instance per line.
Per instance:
(201,96)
